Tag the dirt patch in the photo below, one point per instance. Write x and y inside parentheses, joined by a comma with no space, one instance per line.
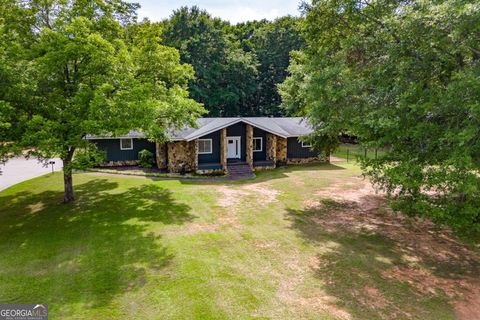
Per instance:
(424,282)
(357,191)
(36,207)
(364,208)
(372,297)
(228,218)
(469,306)
(317,301)
(265,244)
(290,291)
(267,192)
(452,268)
(464,293)
(232,196)
(337,159)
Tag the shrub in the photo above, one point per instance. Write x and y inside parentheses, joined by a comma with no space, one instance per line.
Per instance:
(145,158)
(87,157)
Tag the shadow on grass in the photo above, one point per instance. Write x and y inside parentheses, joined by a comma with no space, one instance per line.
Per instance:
(85,253)
(266,175)
(354,264)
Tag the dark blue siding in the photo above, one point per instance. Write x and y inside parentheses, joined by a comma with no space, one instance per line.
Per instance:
(239,130)
(295,149)
(112,148)
(262,155)
(215,155)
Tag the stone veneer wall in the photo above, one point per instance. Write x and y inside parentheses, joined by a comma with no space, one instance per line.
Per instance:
(182,155)
(118,163)
(307,160)
(271,148)
(215,172)
(249,146)
(161,155)
(223,148)
(281,149)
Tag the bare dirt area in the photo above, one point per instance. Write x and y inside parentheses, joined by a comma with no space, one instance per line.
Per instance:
(431,260)
(232,196)
(337,159)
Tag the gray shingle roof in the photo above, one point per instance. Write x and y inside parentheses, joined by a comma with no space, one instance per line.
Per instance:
(131,134)
(284,127)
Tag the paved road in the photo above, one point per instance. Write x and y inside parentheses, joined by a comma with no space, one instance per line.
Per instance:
(20,169)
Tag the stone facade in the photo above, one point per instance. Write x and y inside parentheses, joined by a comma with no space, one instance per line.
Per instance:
(213,172)
(281,149)
(263,168)
(307,160)
(161,155)
(120,163)
(223,148)
(271,146)
(182,156)
(249,146)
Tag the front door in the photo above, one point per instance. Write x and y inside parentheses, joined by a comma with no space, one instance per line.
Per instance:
(233,147)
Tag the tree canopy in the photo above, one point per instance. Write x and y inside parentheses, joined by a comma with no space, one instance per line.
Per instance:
(72,68)
(271,43)
(236,67)
(401,75)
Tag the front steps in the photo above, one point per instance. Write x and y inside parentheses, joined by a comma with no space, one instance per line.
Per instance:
(239,170)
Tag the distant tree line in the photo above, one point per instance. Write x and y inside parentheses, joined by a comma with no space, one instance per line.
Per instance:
(237,67)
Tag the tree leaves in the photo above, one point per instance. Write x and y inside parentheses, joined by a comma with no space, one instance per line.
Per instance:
(398,74)
(85,70)
(236,67)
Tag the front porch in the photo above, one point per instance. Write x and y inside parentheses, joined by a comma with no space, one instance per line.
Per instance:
(211,153)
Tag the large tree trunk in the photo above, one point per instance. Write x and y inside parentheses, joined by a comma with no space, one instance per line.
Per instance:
(68,186)
(68,195)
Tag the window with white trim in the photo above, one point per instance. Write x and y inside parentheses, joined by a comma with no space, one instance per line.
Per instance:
(204,146)
(257,144)
(306,144)
(126,144)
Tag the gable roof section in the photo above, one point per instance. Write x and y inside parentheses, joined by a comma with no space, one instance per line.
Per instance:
(206,126)
(295,126)
(283,127)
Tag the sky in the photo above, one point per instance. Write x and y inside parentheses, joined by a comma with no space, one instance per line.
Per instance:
(232,10)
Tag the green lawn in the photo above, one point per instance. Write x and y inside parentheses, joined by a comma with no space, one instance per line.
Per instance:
(353,151)
(283,246)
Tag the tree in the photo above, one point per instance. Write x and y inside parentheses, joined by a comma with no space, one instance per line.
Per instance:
(225,74)
(403,75)
(72,68)
(237,67)
(272,43)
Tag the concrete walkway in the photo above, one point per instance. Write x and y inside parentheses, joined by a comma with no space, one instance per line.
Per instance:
(20,169)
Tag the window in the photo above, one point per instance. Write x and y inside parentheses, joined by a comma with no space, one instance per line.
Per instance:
(257,144)
(204,146)
(306,144)
(126,144)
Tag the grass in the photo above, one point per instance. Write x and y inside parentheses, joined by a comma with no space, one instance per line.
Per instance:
(147,173)
(135,248)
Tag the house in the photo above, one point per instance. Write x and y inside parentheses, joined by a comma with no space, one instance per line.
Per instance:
(259,142)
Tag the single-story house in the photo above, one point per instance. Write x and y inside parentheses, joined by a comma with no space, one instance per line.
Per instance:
(260,142)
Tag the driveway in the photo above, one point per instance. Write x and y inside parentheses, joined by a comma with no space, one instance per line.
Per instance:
(20,169)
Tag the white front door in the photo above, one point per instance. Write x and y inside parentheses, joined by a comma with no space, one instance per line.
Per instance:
(233,147)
